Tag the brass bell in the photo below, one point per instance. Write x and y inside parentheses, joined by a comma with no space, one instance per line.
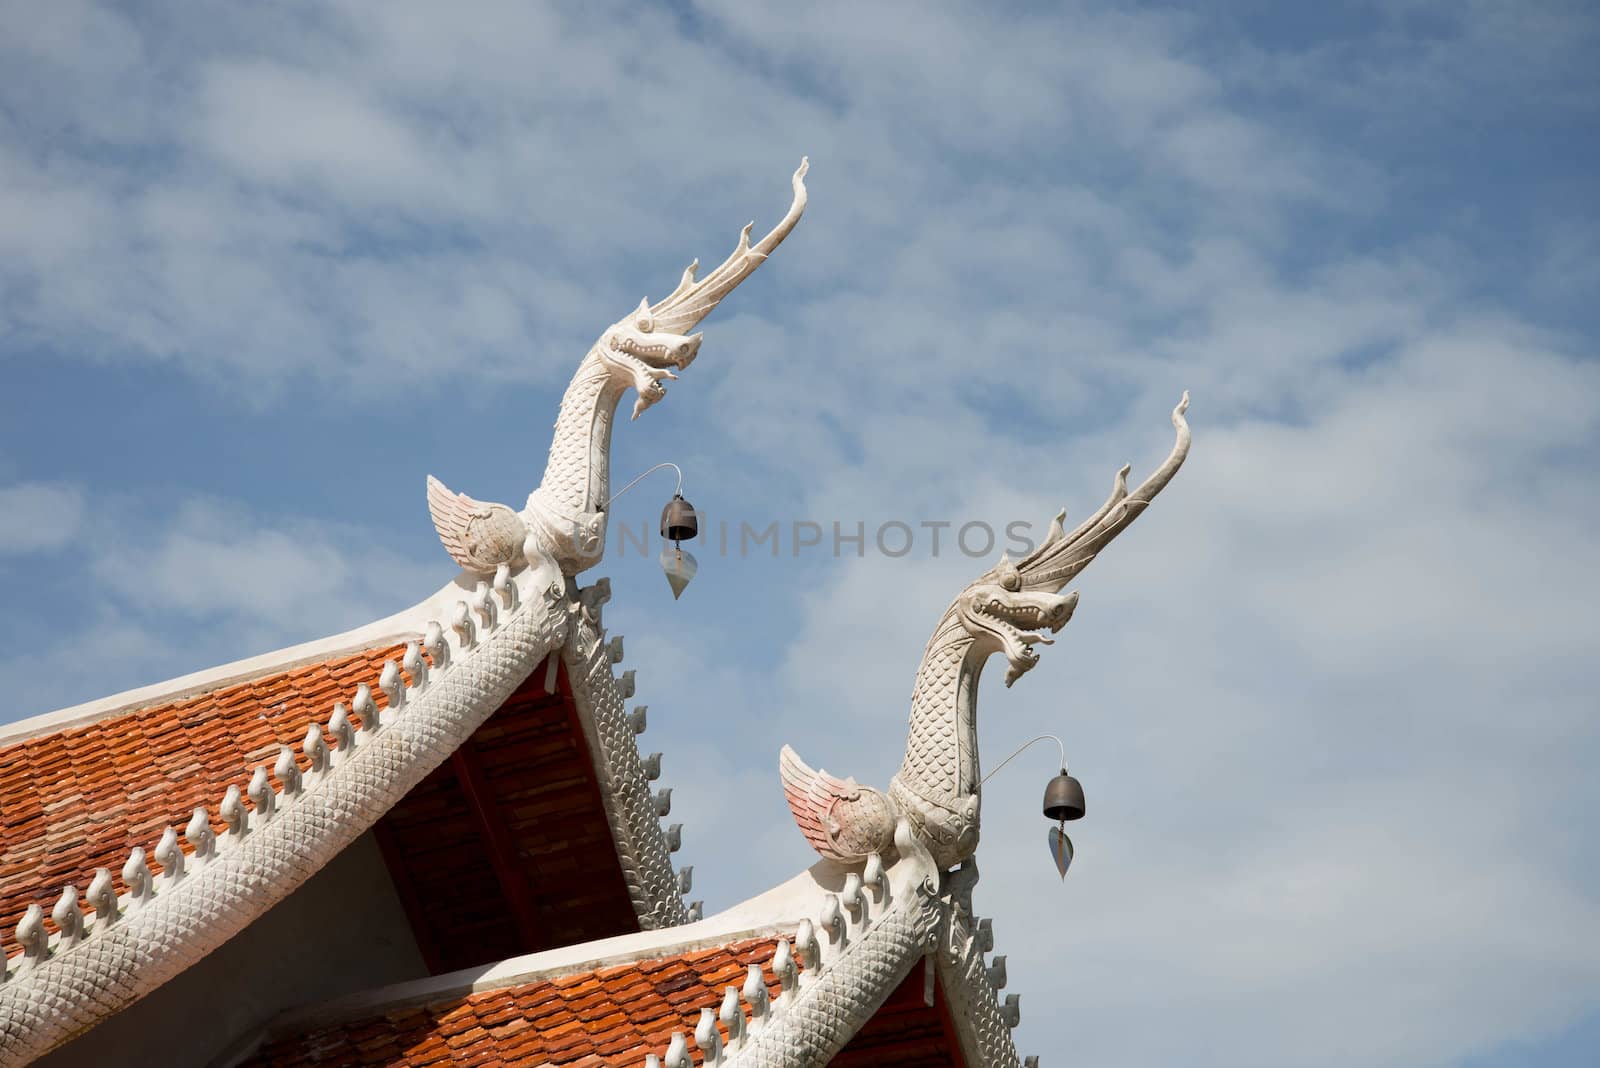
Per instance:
(678,521)
(1063,798)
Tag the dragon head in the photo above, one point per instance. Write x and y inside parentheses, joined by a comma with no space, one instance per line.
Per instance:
(1003,617)
(1008,608)
(641,356)
(653,343)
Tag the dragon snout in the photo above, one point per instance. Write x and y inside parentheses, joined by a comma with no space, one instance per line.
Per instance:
(687,350)
(1062,611)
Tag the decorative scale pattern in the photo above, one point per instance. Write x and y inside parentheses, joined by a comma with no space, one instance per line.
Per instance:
(936,786)
(974,1005)
(582,433)
(934,758)
(847,992)
(81,798)
(635,827)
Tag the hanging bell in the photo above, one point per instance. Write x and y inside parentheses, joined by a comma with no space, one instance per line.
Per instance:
(678,521)
(1063,798)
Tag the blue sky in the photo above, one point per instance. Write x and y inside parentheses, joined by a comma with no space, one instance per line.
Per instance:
(263,269)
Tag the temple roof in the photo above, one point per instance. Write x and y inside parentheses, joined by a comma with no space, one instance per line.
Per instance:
(835,953)
(82,797)
(145,830)
(611,1016)
(380,741)
(824,968)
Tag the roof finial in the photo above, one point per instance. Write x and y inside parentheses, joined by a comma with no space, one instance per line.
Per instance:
(170,856)
(288,772)
(68,917)
(31,937)
(261,795)
(364,706)
(756,993)
(438,649)
(201,836)
(233,812)
(416,666)
(136,877)
(708,1038)
(102,897)
(393,686)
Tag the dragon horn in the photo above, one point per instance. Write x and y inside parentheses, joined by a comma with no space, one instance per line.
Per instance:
(1058,560)
(693,301)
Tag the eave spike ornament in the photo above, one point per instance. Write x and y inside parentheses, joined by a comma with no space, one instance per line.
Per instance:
(1007,610)
(565,517)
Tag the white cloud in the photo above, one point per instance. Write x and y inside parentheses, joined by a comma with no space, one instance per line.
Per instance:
(216,560)
(202,583)
(1294,688)
(38,516)
(1331,698)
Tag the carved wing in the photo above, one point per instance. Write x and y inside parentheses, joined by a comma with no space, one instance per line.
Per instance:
(839,817)
(477,535)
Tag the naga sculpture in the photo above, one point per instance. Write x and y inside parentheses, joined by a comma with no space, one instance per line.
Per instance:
(1005,610)
(565,517)
(64,983)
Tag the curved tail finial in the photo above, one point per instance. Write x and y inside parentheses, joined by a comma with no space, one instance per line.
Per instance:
(692,301)
(1062,556)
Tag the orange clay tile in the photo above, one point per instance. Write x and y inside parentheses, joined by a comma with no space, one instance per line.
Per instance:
(602,1019)
(81,798)
(610,1018)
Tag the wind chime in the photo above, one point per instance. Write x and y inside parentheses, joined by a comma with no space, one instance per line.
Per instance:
(1063,801)
(679,524)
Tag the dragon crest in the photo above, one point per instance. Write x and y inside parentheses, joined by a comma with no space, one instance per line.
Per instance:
(1009,609)
(565,517)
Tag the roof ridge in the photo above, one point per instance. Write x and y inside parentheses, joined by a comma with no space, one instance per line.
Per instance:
(494,606)
(810,958)
(746,1012)
(633,809)
(368,635)
(982,1021)
(872,932)
(769,913)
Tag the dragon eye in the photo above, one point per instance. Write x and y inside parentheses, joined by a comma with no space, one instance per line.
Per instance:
(1012,581)
(644,324)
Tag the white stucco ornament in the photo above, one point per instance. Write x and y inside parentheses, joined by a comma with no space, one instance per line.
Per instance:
(565,517)
(528,613)
(1006,610)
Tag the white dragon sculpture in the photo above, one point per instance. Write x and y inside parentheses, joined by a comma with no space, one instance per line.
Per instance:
(1005,610)
(65,983)
(565,517)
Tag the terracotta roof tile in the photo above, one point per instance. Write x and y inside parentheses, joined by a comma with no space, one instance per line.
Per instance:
(609,1018)
(81,798)
(600,1019)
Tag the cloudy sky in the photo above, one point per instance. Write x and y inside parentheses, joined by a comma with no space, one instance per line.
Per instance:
(1333,699)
